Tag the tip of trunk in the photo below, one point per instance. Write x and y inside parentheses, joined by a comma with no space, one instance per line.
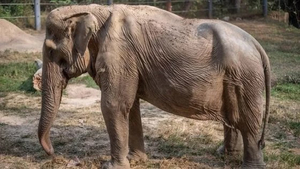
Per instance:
(48,148)
(46,143)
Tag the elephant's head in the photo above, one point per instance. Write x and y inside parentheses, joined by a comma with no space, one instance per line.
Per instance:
(65,55)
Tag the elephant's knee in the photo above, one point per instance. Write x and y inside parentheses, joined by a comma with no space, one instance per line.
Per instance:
(109,105)
(115,107)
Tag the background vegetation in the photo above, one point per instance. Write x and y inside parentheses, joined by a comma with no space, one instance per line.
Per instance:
(175,142)
(22,14)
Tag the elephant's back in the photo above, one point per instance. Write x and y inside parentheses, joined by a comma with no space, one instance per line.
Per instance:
(146,13)
(232,46)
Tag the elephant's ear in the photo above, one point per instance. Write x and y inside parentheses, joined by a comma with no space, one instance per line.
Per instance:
(85,26)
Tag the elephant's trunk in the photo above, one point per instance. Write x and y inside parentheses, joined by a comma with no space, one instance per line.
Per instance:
(52,85)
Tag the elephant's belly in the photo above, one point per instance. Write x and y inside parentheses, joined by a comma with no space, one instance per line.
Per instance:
(211,110)
(195,103)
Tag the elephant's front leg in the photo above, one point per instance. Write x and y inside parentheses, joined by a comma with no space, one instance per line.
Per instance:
(117,98)
(136,138)
(117,121)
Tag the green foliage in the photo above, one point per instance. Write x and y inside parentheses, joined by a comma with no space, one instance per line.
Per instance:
(5,11)
(11,11)
(16,10)
(63,2)
(16,77)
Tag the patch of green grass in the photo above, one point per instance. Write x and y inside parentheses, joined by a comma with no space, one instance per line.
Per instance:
(282,154)
(177,146)
(174,146)
(287,91)
(284,157)
(280,47)
(295,126)
(283,145)
(16,77)
(87,80)
(285,66)
(280,135)
(290,158)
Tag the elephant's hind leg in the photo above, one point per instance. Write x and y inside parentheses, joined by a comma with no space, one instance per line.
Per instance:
(249,125)
(136,139)
(253,156)
(232,136)
(233,143)
(244,109)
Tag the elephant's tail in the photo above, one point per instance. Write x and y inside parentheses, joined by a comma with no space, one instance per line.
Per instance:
(267,73)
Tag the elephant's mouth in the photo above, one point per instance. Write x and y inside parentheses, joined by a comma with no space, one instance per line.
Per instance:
(65,79)
(72,72)
(66,75)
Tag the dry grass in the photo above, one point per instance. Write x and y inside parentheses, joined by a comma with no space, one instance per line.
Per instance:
(171,141)
(13,57)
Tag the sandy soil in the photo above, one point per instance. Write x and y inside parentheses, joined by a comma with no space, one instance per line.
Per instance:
(79,130)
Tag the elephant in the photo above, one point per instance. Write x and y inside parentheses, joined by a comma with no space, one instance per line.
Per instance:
(196,68)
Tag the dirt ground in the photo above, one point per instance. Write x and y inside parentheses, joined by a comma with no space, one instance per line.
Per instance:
(15,39)
(80,139)
(79,131)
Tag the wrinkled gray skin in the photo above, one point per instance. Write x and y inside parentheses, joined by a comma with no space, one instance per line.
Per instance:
(200,69)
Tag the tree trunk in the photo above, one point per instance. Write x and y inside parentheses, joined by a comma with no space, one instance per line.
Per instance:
(234,6)
(187,6)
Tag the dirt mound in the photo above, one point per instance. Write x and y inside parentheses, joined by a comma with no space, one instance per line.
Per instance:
(78,95)
(15,39)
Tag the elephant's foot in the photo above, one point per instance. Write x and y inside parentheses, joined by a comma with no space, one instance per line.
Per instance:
(113,165)
(253,165)
(137,156)
(232,152)
(253,155)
